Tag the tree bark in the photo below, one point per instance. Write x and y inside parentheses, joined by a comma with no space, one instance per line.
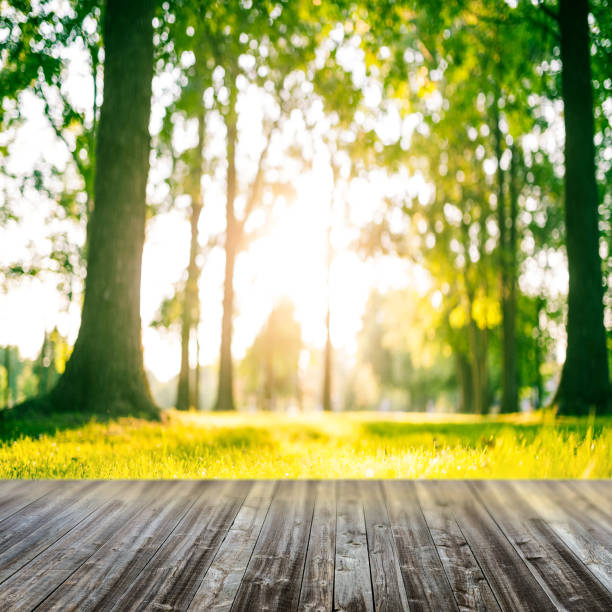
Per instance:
(225,391)
(585,382)
(105,373)
(507,283)
(465,380)
(190,297)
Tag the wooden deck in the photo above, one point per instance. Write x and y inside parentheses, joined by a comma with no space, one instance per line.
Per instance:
(304,545)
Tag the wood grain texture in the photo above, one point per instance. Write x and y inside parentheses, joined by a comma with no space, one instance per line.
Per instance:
(425,580)
(17,494)
(273,576)
(387,582)
(26,534)
(222,580)
(353,585)
(589,540)
(171,578)
(108,573)
(471,590)
(49,569)
(513,584)
(566,578)
(318,581)
(237,546)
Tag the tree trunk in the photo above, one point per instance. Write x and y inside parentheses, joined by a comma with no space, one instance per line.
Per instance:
(464,378)
(225,391)
(512,377)
(478,338)
(190,297)
(507,283)
(327,368)
(195,395)
(327,355)
(585,382)
(44,365)
(105,373)
(9,376)
(538,350)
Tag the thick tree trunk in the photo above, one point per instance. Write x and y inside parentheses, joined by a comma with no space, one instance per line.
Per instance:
(225,391)
(105,373)
(585,380)
(190,298)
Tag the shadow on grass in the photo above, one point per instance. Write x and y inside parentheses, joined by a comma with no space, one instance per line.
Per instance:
(240,437)
(473,435)
(33,422)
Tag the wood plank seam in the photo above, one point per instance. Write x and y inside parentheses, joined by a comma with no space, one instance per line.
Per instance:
(189,506)
(104,507)
(256,542)
(519,552)
(456,552)
(262,501)
(436,549)
(22,508)
(333,600)
(40,552)
(207,522)
(567,548)
(368,545)
(220,544)
(495,595)
(314,506)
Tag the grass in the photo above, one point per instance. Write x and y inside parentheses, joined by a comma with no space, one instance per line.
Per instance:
(349,445)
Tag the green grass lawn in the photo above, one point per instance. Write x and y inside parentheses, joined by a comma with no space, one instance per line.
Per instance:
(348,445)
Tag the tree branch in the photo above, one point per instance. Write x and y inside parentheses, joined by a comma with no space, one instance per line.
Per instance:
(257,184)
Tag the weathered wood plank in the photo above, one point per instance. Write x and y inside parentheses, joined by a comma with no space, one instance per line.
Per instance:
(513,584)
(588,499)
(586,539)
(273,576)
(222,580)
(318,581)
(171,578)
(104,577)
(565,577)
(38,525)
(387,582)
(471,590)
(602,492)
(353,586)
(427,586)
(17,494)
(35,581)
(387,545)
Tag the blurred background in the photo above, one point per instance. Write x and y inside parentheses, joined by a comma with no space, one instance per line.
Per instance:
(396,188)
